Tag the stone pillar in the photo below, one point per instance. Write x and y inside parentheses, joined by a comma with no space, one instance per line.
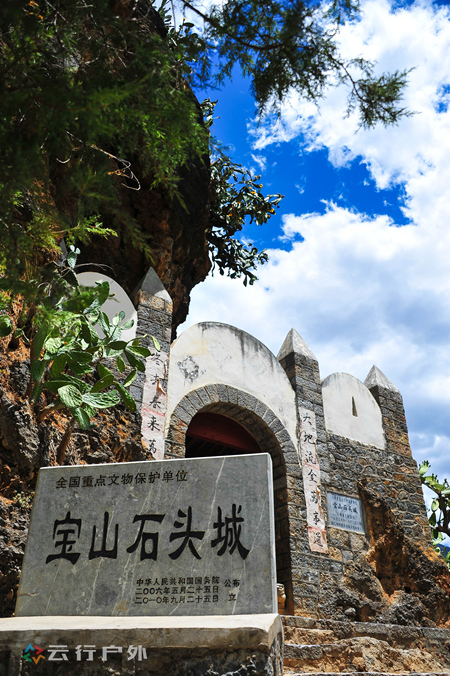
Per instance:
(405,485)
(302,369)
(154,310)
(390,402)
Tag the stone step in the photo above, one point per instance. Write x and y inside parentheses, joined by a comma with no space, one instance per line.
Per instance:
(361,654)
(302,636)
(309,643)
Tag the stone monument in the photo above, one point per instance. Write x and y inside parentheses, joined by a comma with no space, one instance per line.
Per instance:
(175,537)
(165,567)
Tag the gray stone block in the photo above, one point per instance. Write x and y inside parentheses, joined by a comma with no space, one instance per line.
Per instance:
(174,537)
(238,646)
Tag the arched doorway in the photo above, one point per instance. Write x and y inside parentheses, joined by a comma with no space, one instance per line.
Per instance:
(212,434)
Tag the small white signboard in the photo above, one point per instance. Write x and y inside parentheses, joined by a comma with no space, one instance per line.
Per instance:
(345,512)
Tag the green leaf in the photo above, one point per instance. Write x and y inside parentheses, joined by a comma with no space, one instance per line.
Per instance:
(118,318)
(82,417)
(126,397)
(64,379)
(116,334)
(103,383)
(70,396)
(117,345)
(5,326)
(37,369)
(130,378)
(104,322)
(103,400)
(140,351)
(90,410)
(72,256)
(134,362)
(92,316)
(435,505)
(52,345)
(423,468)
(103,371)
(58,365)
(102,295)
(80,357)
(156,343)
(39,339)
(121,366)
(90,336)
(127,325)
(81,369)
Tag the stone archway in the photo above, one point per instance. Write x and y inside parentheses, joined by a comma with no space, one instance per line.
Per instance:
(271,437)
(212,434)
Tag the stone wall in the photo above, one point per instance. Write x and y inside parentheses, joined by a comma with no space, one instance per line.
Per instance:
(220,369)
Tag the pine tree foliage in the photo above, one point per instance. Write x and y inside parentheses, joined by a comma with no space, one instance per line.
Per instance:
(83,87)
(285,45)
(87,87)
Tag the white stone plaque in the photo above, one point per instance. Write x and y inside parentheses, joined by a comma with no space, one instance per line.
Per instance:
(173,537)
(315,517)
(345,512)
(154,404)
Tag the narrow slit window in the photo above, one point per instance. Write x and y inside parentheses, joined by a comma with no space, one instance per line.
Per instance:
(354,411)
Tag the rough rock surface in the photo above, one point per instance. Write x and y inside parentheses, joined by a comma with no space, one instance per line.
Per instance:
(25,446)
(397,581)
(363,654)
(364,647)
(14,520)
(177,239)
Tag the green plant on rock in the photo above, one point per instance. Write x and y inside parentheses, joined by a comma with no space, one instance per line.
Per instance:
(77,352)
(23,500)
(439,510)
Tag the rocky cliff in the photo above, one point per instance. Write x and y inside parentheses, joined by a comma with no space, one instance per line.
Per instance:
(177,238)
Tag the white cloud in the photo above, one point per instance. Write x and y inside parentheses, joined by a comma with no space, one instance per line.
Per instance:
(358,288)
(261,161)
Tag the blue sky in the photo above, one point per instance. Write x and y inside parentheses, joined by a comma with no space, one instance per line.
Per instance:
(360,246)
(306,179)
